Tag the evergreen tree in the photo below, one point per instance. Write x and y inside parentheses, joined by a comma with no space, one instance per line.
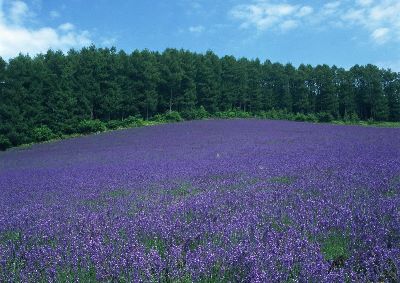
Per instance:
(391,84)
(267,86)
(150,77)
(230,82)
(208,81)
(255,102)
(172,75)
(347,103)
(300,91)
(326,98)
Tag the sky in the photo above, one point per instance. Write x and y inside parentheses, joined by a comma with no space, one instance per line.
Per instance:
(341,33)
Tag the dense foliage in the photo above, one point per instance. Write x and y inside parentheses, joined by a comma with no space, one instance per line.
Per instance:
(205,201)
(54,93)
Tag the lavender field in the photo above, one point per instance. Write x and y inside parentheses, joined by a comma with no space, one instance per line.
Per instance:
(205,201)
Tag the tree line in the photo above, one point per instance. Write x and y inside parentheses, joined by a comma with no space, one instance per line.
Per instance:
(57,91)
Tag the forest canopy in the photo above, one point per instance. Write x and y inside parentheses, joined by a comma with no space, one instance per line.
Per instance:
(55,93)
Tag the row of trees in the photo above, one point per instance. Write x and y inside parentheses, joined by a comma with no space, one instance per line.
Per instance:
(59,90)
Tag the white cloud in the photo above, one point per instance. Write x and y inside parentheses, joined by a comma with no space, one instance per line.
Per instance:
(353,16)
(305,11)
(66,27)
(332,5)
(108,41)
(17,36)
(381,18)
(364,2)
(288,25)
(54,14)
(196,29)
(195,5)
(265,15)
(381,35)
(330,8)
(18,12)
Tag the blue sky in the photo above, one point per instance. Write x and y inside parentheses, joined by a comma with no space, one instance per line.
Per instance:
(342,32)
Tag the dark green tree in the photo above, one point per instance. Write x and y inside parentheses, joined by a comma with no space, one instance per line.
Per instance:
(326,96)
(208,81)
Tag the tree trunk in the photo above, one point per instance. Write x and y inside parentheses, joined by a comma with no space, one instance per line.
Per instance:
(170,102)
(92,113)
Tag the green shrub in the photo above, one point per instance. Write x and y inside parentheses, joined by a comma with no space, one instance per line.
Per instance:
(289,116)
(231,114)
(20,137)
(311,117)
(260,114)
(195,114)
(266,114)
(284,115)
(91,126)
(70,127)
(354,117)
(132,121)
(42,133)
(202,113)
(272,114)
(173,116)
(218,114)
(351,118)
(280,114)
(189,114)
(159,118)
(242,114)
(114,124)
(324,117)
(300,117)
(225,114)
(4,143)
